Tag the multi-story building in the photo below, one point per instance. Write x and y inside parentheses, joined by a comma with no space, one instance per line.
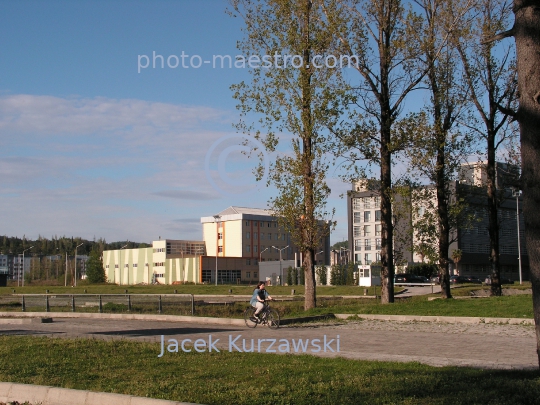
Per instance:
(471,238)
(365,226)
(166,262)
(253,235)
(234,242)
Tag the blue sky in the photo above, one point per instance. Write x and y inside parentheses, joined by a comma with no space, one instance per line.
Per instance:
(90,147)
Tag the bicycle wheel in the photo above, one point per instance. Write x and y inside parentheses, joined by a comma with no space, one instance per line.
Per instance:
(272,319)
(248,317)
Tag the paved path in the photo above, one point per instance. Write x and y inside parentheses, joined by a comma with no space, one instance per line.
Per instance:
(481,345)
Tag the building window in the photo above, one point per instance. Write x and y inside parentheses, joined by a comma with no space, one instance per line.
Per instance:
(377,201)
(247,223)
(135,265)
(254,235)
(378,257)
(220,249)
(220,235)
(107,266)
(378,230)
(367,258)
(378,215)
(255,274)
(247,235)
(357,217)
(248,274)
(255,249)
(262,224)
(367,230)
(269,236)
(262,235)
(248,262)
(356,203)
(275,224)
(367,216)
(269,224)
(248,248)
(366,202)
(367,244)
(358,244)
(378,244)
(357,231)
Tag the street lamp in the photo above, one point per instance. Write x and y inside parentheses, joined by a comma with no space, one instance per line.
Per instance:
(23,265)
(216,220)
(316,254)
(260,254)
(341,248)
(517,193)
(75,279)
(280,268)
(120,265)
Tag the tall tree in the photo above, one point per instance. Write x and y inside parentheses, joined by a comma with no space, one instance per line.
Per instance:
(440,143)
(298,97)
(384,38)
(491,78)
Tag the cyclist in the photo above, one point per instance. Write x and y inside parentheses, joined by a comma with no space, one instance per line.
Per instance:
(259,296)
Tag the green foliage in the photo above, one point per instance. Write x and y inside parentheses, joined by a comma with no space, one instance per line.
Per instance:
(350,269)
(321,274)
(95,273)
(338,245)
(290,277)
(301,276)
(423,269)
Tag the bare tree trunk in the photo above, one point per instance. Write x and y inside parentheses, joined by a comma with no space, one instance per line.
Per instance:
(527,32)
(310,299)
(493,217)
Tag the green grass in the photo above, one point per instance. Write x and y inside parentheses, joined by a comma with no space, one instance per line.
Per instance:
(133,368)
(183,289)
(518,306)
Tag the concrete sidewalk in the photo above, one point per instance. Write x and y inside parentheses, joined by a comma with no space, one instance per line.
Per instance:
(43,395)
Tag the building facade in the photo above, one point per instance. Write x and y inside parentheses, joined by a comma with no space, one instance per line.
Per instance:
(470,239)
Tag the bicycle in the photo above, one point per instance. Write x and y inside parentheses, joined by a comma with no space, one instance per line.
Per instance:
(268,317)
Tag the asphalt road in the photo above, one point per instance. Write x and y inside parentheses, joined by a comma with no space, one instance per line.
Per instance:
(483,345)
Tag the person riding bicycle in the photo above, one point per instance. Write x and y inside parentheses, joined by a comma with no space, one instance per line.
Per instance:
(259,296)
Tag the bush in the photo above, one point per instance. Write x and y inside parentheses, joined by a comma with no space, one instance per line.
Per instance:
(321,273)
(95,273)
(423,269)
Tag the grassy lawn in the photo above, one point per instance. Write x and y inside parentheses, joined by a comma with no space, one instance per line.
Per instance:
(252,378)
(183,289)
(519,306)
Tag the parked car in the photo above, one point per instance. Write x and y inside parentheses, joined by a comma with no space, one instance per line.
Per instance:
(504,280)
(473,279)
(435,279)
(409,278)
(458,280)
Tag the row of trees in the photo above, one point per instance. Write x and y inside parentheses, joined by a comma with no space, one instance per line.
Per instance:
(48,256)
(362,116)
(453,49)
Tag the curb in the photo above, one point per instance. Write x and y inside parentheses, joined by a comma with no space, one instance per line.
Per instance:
(138,317)
(44,395)
(441,319)
(288,321)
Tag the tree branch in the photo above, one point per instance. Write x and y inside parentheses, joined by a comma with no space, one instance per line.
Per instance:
(499,36)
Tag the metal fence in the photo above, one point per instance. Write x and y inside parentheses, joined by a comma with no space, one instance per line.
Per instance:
(134,303)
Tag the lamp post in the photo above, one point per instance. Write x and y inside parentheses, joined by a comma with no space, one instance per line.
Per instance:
(23,265)
(341,248)
(517,193)
(280,268)
(316,254)
(260,254)
(75,278)
(216,220)
(120,266)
